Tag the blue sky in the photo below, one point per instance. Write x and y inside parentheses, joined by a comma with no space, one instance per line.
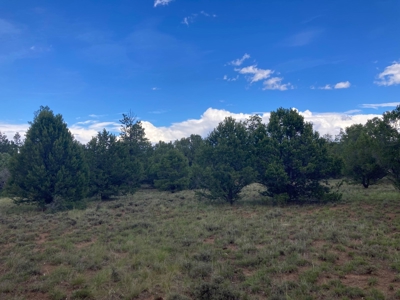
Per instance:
(182,65)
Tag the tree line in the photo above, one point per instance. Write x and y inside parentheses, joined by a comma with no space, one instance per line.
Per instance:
(53,170)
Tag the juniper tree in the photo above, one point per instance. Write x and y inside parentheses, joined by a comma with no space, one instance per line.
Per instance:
(50,168)
(108,173)
(360,153)
(225,162)
(297,159)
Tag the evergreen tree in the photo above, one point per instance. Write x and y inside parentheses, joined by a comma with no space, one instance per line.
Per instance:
(157,153)
(360,151)
(225,163)
(4,172)
(136,147)
(172,171)
(108,174)
(297,159)
(50,168)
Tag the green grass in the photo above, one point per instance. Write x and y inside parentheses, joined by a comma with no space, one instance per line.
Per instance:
(154,245)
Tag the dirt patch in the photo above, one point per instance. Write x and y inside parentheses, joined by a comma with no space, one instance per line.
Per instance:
(42,238)
(85,244)
(318,244)
(36,296)
(384,281)
(48,269)
(209,240)
(248,272)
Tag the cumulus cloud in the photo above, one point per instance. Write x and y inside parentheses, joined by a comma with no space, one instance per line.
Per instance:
(10,129)
(324,123)
(274,83)
(342,85)
(238,62)
(378,105)
(326,87)
(256,73)
(390,76)
(161,2)
(85,130)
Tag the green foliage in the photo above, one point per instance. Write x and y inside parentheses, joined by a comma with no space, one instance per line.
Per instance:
(157,153)
(172,171)
(224,162)
(296,159)
(50,168)
(360,152)
(108,174)
(390,144)
(4,172)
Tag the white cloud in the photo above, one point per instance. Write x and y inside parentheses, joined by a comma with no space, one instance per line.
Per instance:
(274,83)
(190,19)
(302,38)
(155,88)
(339,85)
(161,2)
(352,111)
(258,74)
(10,129)
(390,76)
(230,79)
(326,87)
(186,20)
(376,106)
(85,130)
(342,85)
(324,123)
(239,61)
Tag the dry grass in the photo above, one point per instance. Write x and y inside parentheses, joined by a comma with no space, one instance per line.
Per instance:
(155,245)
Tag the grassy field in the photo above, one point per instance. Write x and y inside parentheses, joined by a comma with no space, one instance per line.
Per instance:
(155,245)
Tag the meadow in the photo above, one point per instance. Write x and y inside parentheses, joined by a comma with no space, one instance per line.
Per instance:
(161,245)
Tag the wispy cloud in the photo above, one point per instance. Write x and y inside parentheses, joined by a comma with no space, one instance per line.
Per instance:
(6,28)
(190,19)
(390,76)
(238,62)
(378,105)
(275,83)
(353,111)
(256,74)
(96,116)
(231,79)
(337,86)
(158,112)
(161,2)
(342,85)
(155,88)
(325,87)
(302,38)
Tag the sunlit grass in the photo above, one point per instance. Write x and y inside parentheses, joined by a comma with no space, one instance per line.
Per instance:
(156,244)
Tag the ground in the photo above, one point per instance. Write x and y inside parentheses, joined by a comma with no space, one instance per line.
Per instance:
(158,245)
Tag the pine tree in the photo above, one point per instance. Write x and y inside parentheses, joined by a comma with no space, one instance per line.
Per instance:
(172,172)
(107,159)
(225,162)
(297,159)
(49,169)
